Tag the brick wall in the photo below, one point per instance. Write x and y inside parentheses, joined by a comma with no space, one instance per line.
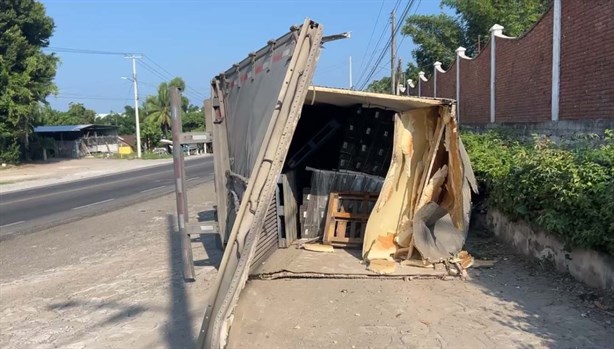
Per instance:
(587,60)
(446,83)
(523,80)
(427,88)
(474,88)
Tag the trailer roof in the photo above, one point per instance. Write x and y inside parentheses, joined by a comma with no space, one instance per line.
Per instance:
(344,97)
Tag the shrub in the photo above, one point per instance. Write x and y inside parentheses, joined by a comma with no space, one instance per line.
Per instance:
(566,191)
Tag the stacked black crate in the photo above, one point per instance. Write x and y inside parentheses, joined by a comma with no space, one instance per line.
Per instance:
(367,143)
(352,135)
(380,144)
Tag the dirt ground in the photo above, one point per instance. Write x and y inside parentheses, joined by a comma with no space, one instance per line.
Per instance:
(111,281)
(66,170)
(507,303)
(114,281)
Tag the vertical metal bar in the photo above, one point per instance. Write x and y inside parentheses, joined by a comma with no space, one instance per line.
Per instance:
(392,54)
(556,61)
(182,207)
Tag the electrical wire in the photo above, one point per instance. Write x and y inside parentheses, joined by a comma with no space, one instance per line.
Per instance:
(387,46)
(403,16)
(158,70)
(164,75)
(379,14)
(86,51)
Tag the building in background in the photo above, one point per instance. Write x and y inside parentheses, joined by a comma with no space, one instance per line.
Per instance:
(76,141)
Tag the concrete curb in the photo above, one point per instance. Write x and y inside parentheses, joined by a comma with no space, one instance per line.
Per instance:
(593,268)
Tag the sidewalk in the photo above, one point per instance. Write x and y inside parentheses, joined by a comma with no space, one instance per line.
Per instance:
(66,170)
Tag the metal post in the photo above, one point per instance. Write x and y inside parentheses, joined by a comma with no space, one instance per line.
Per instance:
(556,61)
(351,84)
(178,162)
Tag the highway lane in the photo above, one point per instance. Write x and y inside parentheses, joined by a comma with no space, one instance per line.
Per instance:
(38,208)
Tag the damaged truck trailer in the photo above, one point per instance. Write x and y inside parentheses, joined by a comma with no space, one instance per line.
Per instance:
(301,168)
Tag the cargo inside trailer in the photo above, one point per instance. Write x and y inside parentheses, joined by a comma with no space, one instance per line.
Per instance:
(339,146)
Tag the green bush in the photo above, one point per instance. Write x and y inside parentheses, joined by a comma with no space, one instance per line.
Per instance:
(567,191)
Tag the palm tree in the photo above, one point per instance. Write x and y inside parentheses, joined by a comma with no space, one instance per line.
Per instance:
(159,108)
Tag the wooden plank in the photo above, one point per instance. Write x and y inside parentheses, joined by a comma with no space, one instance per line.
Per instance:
(337,219)
(329,226)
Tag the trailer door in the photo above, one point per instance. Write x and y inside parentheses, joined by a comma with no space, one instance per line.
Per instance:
(256,106)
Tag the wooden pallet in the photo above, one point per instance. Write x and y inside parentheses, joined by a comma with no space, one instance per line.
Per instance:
(347,216)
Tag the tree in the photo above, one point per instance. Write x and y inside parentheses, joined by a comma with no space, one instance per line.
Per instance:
(438,36)
(158,107)
(193,119)
(150,135)
(26,73)
(77,114)
(126,124)
(380,86)
(476,17)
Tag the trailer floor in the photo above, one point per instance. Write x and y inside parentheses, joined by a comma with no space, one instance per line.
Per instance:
(294,262)
(507,302)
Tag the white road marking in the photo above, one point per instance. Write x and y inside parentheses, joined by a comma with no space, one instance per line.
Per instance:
(206,228)
(193,178)
(95,203)
(151,189)
(10,224)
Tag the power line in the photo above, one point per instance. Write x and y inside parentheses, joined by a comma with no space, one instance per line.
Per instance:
(165,76)
(160,71)
(387,46)
(371,37)
(86,51)
(373,53)
(375,49)
(415,11)
(91,98)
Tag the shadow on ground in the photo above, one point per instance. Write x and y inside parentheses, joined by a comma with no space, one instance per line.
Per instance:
(537,299)
(211,241)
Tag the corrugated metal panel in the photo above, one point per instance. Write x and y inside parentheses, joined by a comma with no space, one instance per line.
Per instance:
(61,128)
(267,242)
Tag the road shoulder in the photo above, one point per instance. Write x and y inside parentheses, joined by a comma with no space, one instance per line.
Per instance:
(108,281)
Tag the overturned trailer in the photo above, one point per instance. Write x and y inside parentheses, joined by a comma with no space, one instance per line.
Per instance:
(281,147)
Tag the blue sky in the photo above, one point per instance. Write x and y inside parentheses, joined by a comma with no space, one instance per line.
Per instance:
(198,39)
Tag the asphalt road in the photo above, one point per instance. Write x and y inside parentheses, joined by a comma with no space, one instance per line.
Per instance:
(34,209)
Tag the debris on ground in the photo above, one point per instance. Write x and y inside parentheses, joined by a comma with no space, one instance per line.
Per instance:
(318,247)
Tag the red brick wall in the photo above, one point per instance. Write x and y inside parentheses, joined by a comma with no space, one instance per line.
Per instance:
(587,60)
(523,78)
(413,91)
(475,88)
(426,88)
(446,83)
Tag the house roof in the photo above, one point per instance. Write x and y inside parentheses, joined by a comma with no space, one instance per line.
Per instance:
(69,128)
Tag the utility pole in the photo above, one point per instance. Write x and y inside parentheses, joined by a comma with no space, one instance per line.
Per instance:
(351,84)
(392,55)
(136,105)
(180,193)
